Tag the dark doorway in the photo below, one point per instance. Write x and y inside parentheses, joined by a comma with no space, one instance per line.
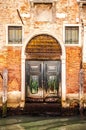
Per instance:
(43,81)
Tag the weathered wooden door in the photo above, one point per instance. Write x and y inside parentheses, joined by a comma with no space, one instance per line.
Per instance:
(42,80)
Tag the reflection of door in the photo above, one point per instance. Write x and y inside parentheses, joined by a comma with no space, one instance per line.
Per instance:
(43,80)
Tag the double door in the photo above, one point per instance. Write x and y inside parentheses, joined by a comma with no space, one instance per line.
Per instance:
(43,80)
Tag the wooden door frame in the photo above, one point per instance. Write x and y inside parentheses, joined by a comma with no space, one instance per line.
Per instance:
(63,61)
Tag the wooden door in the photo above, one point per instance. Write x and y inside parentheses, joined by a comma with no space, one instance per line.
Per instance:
(42,80)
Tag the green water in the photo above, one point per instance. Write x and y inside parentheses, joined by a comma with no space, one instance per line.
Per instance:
(42,123)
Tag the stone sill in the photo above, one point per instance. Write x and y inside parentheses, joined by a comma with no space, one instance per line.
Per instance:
(42,1)
(81,1)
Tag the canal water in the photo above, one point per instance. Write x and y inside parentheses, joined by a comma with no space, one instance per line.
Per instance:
(42,123)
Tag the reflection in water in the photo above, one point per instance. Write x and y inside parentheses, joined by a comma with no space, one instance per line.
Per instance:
(42,123)
(73,127)
(12,127)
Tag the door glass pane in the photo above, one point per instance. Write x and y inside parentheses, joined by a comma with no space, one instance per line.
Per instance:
(34,84)
(52,85)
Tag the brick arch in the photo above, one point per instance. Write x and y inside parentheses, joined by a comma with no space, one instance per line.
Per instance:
(43,47)
(24,56)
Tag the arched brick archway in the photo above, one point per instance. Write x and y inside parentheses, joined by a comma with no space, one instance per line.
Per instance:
(62,56)
(43,67)
(43,47)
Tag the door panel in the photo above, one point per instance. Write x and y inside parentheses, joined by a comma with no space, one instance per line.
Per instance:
(42,80)
(52,71)
(34,89)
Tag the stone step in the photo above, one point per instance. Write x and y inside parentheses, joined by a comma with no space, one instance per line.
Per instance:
(43,108)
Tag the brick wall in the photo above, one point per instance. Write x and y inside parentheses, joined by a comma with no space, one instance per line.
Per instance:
(84,68)
(10,57)
(3,64)
(11,60)
(73,58)
(14,68)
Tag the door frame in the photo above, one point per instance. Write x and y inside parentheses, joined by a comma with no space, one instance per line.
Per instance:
(63,61)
